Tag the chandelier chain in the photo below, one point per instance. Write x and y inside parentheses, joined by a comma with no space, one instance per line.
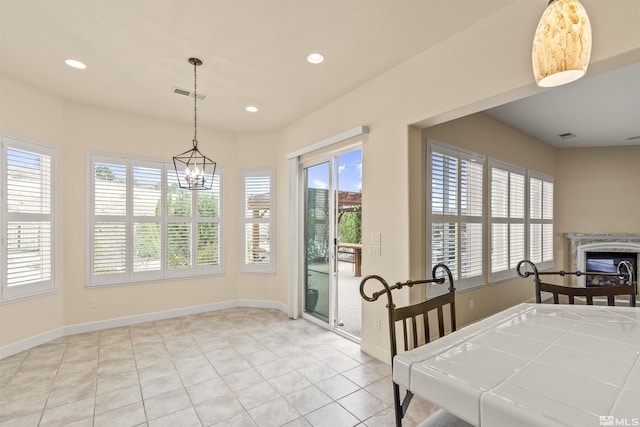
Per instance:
(195,106)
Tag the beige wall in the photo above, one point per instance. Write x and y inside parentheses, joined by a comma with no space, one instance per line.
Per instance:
(596,192)
(41,118)
(487,64)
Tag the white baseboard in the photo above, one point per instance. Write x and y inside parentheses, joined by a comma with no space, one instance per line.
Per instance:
(29,343)
(23,345)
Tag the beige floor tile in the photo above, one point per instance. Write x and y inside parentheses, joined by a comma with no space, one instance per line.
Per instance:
(362,404)
(256,395)
(308,399)
(130,415)
(337,387)
(382,389)
(219,409)
(154,372)
(24,421)
(234,367)
(240,420)
(184,418)
(83,378)
(273,369)
(332,415)
(68,413)
(208,390)
(197,375)
(363,375)
(275,413)
(300,422)
(387,418)
(290,382)
(317,372)
(17,408)
(74,393)
(117,381)
(242,379)
(117,398)
(165,404)
(161,385)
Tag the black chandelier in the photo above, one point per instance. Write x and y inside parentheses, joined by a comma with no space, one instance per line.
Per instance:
(194,170)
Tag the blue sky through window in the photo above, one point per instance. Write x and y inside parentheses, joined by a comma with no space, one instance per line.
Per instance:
(349,173)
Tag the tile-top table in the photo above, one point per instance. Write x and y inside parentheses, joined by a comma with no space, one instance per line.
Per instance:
(533,365)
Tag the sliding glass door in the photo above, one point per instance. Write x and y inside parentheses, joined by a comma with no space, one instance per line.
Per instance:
(319,249)
(333,240)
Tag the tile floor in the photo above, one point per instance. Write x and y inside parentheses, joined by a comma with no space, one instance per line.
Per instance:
(234,367)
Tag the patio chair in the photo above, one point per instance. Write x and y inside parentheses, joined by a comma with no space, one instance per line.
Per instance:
(625,278)
(417,330)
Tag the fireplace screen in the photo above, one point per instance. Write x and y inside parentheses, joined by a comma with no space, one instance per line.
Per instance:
(607,262)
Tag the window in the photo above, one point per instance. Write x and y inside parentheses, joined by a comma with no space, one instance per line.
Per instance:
(28,220)
(519,214)
(541,220)
(521,219)
(143,226)
(507,219)
(455,220)
(258,220)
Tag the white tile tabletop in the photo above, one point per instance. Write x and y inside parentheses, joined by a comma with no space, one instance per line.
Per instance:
(533,365)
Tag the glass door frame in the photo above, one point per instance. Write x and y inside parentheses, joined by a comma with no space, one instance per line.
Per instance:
(303,166)
(331,157)
(354,137)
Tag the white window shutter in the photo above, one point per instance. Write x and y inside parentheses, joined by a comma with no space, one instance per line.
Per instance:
(457,212)
(507,219)
(258,220)
(28,218)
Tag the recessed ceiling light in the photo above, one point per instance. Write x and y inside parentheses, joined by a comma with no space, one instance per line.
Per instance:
(315,58)
(75,64)
(251,109)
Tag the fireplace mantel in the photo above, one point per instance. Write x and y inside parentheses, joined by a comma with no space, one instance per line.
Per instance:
(580,243)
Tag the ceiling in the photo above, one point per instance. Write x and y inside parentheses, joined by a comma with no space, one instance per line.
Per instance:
(254,53)
(599,111)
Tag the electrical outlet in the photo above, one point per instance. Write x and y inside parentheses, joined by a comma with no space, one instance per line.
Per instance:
(92,303)
(374,250)
(378,325)
(471,304)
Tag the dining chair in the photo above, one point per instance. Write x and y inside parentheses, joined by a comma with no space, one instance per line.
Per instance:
(626,285)
(417,327)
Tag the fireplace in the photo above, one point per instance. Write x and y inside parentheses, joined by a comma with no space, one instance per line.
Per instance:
(613,246)
(607,262)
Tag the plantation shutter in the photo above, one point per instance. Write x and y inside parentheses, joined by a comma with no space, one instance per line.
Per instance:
(208,225)
(147,224)
(456,207)
(541,220)
(110,226)
(29,220)
(507,219)
(258,220)
(179,224)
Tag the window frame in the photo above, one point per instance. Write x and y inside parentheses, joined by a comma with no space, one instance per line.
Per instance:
(267,268)
(129,276)
(460,154)
(23,291)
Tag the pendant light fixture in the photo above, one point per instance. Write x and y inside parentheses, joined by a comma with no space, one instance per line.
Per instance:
(562,44)
(194,170)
